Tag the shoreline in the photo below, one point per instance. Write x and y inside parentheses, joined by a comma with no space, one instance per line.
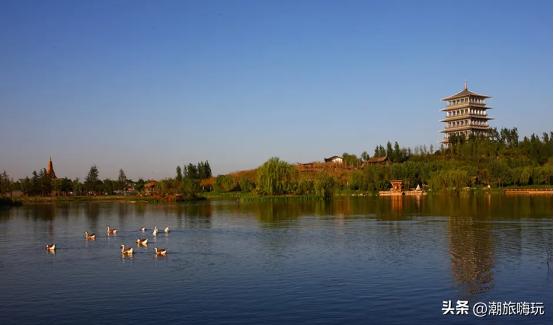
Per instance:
(519,191)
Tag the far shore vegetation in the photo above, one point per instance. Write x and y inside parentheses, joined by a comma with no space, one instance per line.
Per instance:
(501,160)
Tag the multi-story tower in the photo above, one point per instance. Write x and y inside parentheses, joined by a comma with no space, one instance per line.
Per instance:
(466,114)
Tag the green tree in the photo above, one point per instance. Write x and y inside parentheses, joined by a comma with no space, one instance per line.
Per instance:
(226,183)
(275,177)
(324,185)
(92,181)
(139,185)
(121,181)
(5,183)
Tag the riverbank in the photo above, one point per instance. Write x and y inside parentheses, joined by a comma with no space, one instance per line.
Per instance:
(531,190)
(8,202)
(99,198)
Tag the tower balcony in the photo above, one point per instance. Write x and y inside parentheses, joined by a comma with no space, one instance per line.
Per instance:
(465,105)
(464,127)
(466,116)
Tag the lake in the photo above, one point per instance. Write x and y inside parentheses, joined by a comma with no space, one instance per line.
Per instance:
(351,260)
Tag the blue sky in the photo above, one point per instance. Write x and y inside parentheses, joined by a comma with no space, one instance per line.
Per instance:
(148,85)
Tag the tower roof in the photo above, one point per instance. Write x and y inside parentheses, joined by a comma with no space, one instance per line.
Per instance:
(464,93)
(50,170)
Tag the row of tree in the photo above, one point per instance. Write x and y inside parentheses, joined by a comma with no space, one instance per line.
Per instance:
(187,181)
(41,184)
(497,160)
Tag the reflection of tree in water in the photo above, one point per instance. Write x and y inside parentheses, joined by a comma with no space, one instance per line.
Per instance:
(337,208)
(92,211)
(140,209)
(122,209)
(194,215)
(471,243)
(63,210)
(279,212)
(40,211)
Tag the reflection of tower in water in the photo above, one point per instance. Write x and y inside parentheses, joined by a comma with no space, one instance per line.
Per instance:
(472,253)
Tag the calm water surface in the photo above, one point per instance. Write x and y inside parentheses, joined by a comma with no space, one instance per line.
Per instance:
(353,260)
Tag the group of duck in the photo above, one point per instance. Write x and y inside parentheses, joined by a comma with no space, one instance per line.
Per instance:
(125,250)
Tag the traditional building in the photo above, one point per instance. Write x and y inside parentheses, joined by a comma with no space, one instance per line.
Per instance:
(376,160)
(396,185)
(466,114)
(334,160)
(50,170)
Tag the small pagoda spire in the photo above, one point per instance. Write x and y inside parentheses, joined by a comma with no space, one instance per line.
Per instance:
(465,85)
(50,170)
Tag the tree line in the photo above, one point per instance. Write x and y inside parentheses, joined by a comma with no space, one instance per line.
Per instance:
(41,184)
(498,160)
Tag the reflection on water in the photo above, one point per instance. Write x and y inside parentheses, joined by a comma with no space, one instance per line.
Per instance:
(472,253)
(277,261)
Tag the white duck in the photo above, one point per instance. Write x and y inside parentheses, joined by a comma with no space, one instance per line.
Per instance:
(142,241)
(160,251)
(127,251)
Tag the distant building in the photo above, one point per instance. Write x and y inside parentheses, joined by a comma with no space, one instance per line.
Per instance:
(376,160)
(466,114)
(50,170)
(334,160)
(396,185)
(151,187)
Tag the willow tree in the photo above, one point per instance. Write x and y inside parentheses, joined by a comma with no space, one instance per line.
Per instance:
(275,177)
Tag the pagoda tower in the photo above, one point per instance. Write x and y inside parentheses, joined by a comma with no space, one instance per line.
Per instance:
(466,114)
(50,170)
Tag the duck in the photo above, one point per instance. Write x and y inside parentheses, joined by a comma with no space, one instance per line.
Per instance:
(166,230)
(126,251)
(111,231)
(51,247)
(160,251)
(142,241)
(143,229)
(155,232)
(90,236)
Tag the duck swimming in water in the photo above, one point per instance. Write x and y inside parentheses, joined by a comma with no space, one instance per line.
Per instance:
(51,247)
(166,230)
(127,251)
(142,241)
(155,232)
(143,229)
(90,236)
(160,251)
(111,231)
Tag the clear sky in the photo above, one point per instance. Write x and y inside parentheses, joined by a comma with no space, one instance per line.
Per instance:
(149,85)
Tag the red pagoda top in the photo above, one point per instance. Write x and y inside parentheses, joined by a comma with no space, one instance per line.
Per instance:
(50,170)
